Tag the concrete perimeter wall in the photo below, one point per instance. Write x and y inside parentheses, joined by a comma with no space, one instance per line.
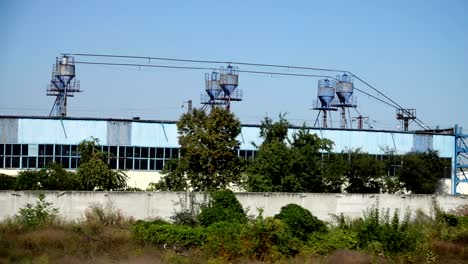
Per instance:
(146,205)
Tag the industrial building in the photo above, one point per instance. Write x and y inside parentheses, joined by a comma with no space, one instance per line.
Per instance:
(142,147)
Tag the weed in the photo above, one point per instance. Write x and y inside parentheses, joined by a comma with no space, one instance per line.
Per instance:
(33,216)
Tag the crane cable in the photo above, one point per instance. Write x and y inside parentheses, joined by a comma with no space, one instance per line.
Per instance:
(149,58)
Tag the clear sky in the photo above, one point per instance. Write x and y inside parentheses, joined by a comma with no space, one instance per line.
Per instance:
(414,51)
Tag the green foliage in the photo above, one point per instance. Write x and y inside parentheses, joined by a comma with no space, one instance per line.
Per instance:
(293,167)
(53,177)
(277,131)
(364,173)
(268,239)
(223,207)
(208,152)
(421,172)
(168,235)
(394,235)
(7,182)
(300,221)
(94,173)
(224,239)
(337,238)
(41,214)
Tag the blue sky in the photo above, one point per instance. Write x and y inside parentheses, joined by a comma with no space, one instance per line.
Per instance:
(414,51)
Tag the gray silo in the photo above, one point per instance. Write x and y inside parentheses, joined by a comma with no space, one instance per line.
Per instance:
(325,95)
(344,92)
(214,93)
(63,84)
(229,81)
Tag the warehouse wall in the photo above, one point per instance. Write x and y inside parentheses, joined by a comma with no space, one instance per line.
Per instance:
(145,205)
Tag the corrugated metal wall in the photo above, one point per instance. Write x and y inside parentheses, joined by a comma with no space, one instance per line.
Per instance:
(114,132)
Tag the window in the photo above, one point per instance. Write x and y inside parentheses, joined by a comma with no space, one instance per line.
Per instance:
(58,150)
(167,153)
(159,153)
(24,150)
(49,150)
(159,164)
(8,149)
(144,153)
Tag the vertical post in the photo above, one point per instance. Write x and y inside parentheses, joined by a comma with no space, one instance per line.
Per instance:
(454,162)
(343,118)
(189,106)
(324,119)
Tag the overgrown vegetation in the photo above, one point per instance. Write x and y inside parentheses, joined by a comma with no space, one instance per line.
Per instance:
(294,235)
(93,173)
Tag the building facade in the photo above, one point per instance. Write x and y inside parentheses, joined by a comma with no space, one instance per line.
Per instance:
(141,147)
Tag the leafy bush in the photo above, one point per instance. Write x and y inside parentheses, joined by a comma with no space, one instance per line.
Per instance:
(394,235)
(224,239)
(268,239)
(168,235)
(337,238)
(53,177)
(300,221)
(223,207)
(7,182)
(39,215)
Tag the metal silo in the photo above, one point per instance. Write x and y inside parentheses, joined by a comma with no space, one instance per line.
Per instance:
(212,86)
(63,84)
(326,92)
(229,80)
(344,88)
(344,92)
(325,95)
(214,93)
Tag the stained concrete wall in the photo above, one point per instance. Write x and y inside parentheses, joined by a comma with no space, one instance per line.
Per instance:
(145,205)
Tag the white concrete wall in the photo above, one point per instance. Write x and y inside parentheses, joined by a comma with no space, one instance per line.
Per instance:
(145,205)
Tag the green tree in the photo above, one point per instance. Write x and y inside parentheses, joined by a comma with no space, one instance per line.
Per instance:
(365,173)
(421,172)
(285,165)
(94,173)
(53,177)
(208,153)
(7,182)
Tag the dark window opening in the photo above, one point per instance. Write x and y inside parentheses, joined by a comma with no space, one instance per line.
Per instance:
(167,153)
(24,150)
(159,153)
(8,149)
(159,164)
(15,162)
(16,149)
(144,153)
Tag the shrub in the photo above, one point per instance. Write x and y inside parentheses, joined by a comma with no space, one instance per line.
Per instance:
(39,215)
(168,235)
(300,221)
(53,177)
(7,182)
(224,239)
(105,215)
(269,239)
(223,207)
(337,238)
(394,235)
